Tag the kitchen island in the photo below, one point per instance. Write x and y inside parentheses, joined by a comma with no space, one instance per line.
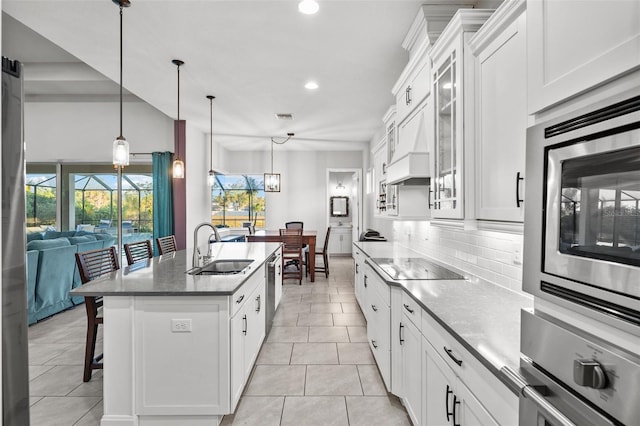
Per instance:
(178,348)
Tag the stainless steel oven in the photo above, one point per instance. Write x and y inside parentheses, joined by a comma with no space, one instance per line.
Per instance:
(574,378)
(582,212)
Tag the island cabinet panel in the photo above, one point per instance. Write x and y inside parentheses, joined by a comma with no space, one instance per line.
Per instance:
(173,336)
(247,333)
(576,45)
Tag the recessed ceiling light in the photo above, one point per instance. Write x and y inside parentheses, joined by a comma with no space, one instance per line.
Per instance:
(312,85)
(308,7)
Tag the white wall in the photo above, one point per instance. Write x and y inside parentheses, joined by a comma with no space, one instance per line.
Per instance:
(197,170)
(304,175)
(85,131)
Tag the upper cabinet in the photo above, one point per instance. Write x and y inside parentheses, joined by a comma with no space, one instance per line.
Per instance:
(499,49)
(577,45)
(452,75)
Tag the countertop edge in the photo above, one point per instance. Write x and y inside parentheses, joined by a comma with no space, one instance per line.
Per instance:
(85,290)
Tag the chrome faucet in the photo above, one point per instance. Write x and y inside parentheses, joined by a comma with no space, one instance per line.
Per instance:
(196,251)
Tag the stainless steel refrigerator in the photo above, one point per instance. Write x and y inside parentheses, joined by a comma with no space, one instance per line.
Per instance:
(15,370)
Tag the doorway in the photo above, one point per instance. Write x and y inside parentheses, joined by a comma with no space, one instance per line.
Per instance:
(343,183)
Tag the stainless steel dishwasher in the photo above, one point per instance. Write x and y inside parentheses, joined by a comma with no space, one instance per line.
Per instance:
(272,263)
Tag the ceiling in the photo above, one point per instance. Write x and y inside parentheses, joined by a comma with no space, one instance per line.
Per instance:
(254,56)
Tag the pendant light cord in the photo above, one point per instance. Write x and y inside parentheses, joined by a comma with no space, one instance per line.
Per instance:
(121,14)
(211,133)
(272,156)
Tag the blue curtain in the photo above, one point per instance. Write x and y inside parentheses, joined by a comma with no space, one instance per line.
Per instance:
(162,196)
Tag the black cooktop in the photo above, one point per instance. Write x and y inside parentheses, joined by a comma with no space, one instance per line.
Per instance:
(414,268)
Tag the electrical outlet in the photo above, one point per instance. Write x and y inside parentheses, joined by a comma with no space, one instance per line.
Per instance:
(517,256)
(181,325)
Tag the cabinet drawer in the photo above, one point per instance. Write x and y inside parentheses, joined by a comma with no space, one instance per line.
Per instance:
(375,284)
(379,335)
(446,346)
(412,310)
(244,292)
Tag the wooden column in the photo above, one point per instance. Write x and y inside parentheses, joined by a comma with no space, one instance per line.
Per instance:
(180,186)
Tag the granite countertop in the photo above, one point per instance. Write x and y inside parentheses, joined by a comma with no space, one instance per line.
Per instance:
(166,275)
(483,317)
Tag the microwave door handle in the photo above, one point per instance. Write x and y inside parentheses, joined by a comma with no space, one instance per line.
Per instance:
(551,413)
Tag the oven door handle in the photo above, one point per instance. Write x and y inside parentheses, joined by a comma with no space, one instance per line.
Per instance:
(551,413)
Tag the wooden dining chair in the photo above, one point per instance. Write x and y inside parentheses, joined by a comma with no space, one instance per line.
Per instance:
(325,257)
(166,244)
(138,251)
(292,253)
(305,248)
(91,265)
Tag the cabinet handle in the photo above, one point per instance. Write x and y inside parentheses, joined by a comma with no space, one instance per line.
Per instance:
(409,95)
(384,168)
(446,403)
(374,308)
(357,272)
(373,342)
(244,320)
(400,333)
(518,179)
(279,269)
(456,402)
(258,300)
(452,356)
(240,299)
(365,281)
(407,308)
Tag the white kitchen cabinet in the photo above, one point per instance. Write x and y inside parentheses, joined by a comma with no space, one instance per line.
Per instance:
(358,278)
(247,333)
(389,121)
(414,87)
(379,178)
(340,240)
(410,342)
(499,49)
(453,72)
(378,299)
(447,400)
(574,46)
(480,395)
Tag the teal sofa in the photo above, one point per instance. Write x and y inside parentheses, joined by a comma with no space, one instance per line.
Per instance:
(52,272)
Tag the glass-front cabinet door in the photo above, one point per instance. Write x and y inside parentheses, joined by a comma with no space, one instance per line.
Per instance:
(447,183)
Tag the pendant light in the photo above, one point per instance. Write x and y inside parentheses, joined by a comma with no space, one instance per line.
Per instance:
(211,178)
(120,145)
(272,180)
(178,164)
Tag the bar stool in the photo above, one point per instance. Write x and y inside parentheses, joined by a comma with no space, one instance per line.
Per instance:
(91,265)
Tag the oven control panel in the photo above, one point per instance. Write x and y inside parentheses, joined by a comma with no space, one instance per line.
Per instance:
(604,374)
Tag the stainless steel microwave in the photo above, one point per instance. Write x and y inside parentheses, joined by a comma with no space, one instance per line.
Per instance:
(582,212)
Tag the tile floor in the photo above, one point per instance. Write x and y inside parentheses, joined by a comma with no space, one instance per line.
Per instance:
(315,367)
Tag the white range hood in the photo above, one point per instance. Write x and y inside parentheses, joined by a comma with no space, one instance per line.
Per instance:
(410,162)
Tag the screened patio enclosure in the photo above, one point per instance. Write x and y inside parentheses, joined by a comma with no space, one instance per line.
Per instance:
(238,199)
(96,199)
(41,199)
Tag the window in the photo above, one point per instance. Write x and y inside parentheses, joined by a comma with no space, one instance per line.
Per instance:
(237,199)
(41,198)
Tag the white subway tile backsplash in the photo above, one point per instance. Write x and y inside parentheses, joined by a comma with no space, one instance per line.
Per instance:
(486,254)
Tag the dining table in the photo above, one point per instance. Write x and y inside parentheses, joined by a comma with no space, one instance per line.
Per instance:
(308,237)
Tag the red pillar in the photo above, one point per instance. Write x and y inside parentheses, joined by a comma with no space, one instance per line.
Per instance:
(180,186)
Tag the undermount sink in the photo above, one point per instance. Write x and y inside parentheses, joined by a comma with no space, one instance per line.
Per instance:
(222,267)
